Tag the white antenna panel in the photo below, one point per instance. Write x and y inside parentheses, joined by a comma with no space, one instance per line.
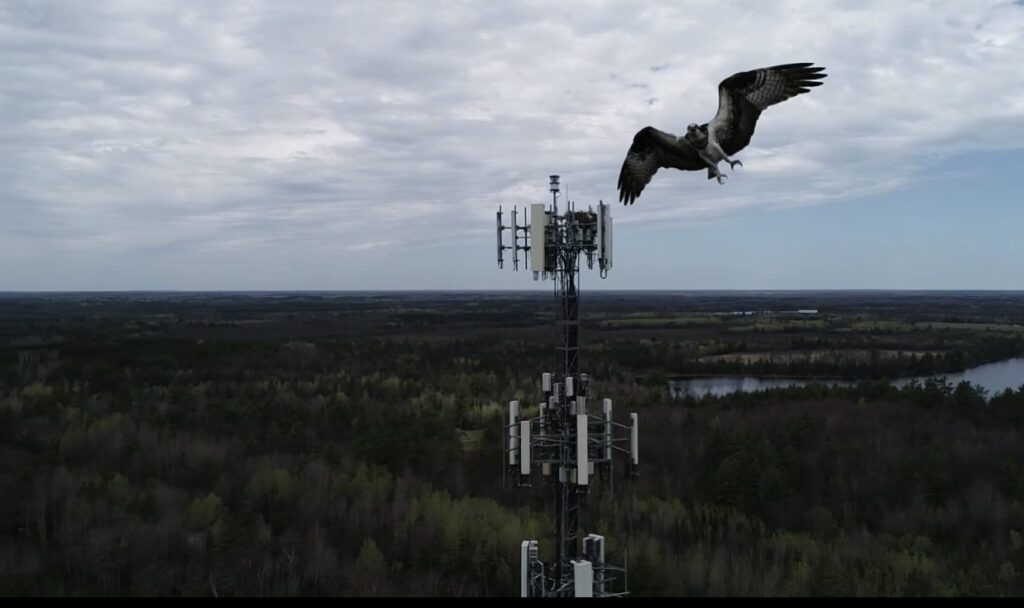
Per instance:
(538,224)
(583,578)
(524,440)
(528,553)
(582,470)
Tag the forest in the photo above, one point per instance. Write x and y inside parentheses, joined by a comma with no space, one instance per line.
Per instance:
(351,444)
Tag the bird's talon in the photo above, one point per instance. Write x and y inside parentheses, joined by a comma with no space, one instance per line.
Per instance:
(722,178)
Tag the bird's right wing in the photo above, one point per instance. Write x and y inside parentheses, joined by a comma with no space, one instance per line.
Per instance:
(744,95)
(651,150)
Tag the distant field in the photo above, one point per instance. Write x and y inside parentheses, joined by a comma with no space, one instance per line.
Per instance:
(981,326)
(814,356)
(770,325)
(880,326)
(642,320)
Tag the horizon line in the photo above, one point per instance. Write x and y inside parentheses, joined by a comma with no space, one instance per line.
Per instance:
(504,290)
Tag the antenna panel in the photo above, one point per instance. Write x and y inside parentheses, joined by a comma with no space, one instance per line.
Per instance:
(583,577)
(515,240)
(582,469)
(538,225)
(634,439)
(604,237)
(524,438)
(608,429)
(501,260)
(513,433)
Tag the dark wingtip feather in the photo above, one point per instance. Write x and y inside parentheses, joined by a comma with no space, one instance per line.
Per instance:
(801,80)
(621,186)
(802,68)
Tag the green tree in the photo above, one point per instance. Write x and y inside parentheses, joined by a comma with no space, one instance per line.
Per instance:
(370,569)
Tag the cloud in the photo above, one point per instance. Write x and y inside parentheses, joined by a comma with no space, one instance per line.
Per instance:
(199,131)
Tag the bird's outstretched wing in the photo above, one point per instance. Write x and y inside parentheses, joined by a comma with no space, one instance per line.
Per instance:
(651,150)
(744,95)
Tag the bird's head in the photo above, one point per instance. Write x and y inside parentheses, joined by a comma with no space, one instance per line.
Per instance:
(697,136)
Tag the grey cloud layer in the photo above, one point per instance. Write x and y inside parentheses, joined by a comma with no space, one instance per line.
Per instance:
(214,132)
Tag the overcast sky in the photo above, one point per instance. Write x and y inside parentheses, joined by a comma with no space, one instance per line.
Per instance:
(365,145)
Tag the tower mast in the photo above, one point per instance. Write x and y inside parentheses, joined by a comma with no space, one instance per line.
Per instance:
(565,439)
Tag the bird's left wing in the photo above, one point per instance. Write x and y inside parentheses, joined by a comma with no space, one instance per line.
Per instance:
(744,95)
(651,150)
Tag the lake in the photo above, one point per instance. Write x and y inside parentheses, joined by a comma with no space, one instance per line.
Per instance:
(994,377)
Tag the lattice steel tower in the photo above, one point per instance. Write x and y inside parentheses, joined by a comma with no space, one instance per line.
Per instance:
(564,438)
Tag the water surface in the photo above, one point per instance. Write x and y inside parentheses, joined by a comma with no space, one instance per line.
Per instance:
(994,377)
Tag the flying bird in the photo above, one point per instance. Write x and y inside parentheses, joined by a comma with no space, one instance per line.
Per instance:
(741,99)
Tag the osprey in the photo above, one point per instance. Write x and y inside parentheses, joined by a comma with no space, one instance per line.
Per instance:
(741,99)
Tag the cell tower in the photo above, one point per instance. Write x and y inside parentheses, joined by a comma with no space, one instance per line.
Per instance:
(565,439)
